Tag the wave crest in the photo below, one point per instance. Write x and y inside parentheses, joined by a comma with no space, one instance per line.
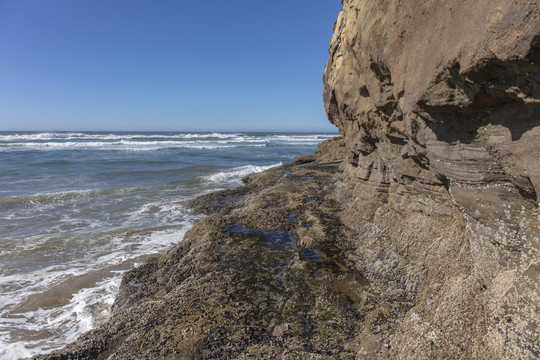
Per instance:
(151,141)
(236,174)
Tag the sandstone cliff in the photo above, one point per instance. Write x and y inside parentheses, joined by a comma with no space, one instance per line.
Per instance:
(439,105)
(414,236)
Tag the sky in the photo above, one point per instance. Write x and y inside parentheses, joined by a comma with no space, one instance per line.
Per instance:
(164,65)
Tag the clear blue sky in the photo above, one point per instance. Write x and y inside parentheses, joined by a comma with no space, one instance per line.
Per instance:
(164,64)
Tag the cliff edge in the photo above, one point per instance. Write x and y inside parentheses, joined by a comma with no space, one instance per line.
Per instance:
(415,235)
(439,106)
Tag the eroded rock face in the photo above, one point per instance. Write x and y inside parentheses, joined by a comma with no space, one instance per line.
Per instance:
(415,236)
(439,105)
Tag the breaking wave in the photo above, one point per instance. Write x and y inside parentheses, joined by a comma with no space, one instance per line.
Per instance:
(236,174)
(151,142)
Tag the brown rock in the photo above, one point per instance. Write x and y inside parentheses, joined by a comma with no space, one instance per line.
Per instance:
(414,236)
(438,105)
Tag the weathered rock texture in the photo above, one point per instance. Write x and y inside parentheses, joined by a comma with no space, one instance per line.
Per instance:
(416,236)
(266,276)
(439,105)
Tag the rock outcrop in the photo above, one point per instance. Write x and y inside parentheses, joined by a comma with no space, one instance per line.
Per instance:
(414,236)
(266,275)
(439,106)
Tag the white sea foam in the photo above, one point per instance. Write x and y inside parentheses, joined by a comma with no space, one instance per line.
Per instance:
(236,174)
(78,242)
(87,308)
(112,249)
(212,135)
(114,136)
(118,136)
(40,136)
(150,142)
(161,213)
(13,350)
(43,198)
(125,145)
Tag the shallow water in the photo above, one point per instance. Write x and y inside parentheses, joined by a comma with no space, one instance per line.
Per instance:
(77,210)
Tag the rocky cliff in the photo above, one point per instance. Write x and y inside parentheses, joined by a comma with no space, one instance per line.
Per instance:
(439,105)
(414,236)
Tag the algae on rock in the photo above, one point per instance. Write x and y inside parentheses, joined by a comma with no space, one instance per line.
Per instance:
(414,236)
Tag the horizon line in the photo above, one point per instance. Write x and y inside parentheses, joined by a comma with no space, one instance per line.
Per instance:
(178,131)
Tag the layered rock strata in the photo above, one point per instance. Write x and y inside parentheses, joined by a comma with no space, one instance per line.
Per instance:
(415,236)
(439,105)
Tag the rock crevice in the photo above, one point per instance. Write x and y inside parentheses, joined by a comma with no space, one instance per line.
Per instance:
(415,235)
(438,105)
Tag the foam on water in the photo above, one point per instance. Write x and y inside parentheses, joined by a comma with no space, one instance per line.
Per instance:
(150,142)
(115,136)
(41,199)
(20,137)
(235,174)
(57,322)
(61,282)
(127,145)
(86,309)
(79,209)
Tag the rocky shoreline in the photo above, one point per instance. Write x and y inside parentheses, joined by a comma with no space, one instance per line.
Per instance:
(415,235)
(265,275)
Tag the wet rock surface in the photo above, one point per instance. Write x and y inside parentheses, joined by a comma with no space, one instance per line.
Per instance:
(269,273)
(415,236)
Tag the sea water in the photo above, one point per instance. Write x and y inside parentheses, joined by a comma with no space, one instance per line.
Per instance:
(78,209)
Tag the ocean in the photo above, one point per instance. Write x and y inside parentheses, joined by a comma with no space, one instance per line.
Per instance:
(78,209)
